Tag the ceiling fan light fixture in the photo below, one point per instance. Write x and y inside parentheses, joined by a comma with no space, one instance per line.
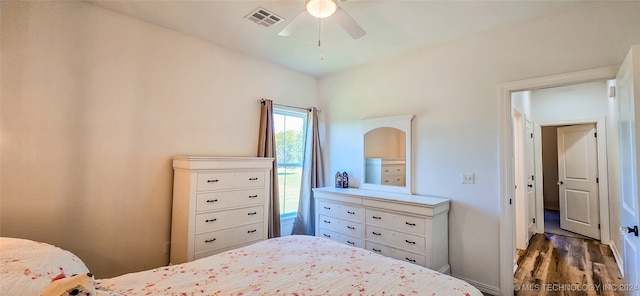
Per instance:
(321,8)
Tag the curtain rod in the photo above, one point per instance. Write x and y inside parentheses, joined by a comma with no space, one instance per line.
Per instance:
(261,101)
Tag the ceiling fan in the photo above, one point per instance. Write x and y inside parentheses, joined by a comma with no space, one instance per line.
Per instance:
(324,9)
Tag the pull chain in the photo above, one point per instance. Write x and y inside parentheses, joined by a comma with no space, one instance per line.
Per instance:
(320,37)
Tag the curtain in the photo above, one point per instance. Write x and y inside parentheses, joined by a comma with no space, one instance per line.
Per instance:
(267,148)
(312,177)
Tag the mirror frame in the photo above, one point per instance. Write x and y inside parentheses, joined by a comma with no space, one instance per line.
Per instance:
(403,123)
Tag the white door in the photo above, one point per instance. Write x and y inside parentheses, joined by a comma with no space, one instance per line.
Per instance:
(628,132)
(521,213)
(577,171)
(531,184)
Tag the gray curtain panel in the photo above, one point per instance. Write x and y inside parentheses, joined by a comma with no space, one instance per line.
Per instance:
(312,177)
(267,148)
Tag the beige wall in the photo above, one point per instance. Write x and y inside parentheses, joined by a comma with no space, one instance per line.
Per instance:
(94,104)
(452,90)
(385,142)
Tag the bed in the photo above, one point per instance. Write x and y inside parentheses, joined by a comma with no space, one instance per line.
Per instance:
(292,265)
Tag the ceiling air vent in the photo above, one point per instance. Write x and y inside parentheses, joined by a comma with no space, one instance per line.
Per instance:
(264,17)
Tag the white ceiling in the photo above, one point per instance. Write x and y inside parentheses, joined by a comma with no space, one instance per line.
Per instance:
(393,27)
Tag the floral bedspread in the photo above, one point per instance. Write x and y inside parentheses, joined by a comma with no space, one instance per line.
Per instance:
(292,265)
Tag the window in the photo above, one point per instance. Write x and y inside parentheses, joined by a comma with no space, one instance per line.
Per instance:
(289,128)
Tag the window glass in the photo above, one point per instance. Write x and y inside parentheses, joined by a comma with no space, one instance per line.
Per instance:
(290,127)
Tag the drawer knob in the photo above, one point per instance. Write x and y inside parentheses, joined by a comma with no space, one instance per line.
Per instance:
(252,231)
(253,179)
(210,240)
(326,235)
(409,242)
(253,196)
(327,221)
(410,224)
(211,220)
(351,213)
(252,213)
(351,243)
(376,233)
(327,208)
(351,227)
(377,250)
(377,217)
(410,260)
(212,200)
(213,181)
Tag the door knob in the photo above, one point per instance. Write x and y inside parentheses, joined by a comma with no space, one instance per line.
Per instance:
(560,183)
(626,230)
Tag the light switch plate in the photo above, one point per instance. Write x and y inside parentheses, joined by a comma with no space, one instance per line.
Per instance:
(468,178)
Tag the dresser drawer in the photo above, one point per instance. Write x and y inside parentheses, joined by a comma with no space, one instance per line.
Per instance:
(399,222)
(227,180)
(343,211)
(392,170)
(392,180)
(347,227)
(208,201)
(396,239)
(210,241)
(206,222)
(345,239)
(418,259)
(215,181)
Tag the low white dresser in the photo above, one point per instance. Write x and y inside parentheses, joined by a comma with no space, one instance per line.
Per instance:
(219,203)
(385,171)
(407,227)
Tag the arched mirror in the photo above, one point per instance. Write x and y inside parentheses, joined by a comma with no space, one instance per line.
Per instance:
(387,153)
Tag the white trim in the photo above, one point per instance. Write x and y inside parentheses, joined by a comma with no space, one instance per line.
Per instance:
(286,225)
(506,155)
(618,256)
(603,185)
(484,288)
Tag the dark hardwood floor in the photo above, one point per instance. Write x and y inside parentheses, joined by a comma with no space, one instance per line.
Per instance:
(559,265)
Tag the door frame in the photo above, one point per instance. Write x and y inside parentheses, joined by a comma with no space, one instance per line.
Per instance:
(507,184)
(603,184)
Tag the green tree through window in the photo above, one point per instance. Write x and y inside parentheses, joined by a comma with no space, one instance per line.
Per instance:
(289,129)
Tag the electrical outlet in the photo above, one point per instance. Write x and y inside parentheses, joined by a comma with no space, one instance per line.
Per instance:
(167,247)
(468,178)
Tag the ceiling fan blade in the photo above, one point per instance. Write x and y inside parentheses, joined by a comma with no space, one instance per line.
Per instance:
(288,29)
(348,24)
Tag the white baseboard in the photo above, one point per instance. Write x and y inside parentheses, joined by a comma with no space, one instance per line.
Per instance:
(484,288)
(617,256)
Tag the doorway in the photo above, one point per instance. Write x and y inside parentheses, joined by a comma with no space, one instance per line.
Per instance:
(570,180)
(578,109)
(507,214)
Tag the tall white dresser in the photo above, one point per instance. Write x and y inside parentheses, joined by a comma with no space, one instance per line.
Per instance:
(407,227)
(219,203)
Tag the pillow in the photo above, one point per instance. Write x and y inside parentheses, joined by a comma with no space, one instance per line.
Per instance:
(27,267)
(78,285)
